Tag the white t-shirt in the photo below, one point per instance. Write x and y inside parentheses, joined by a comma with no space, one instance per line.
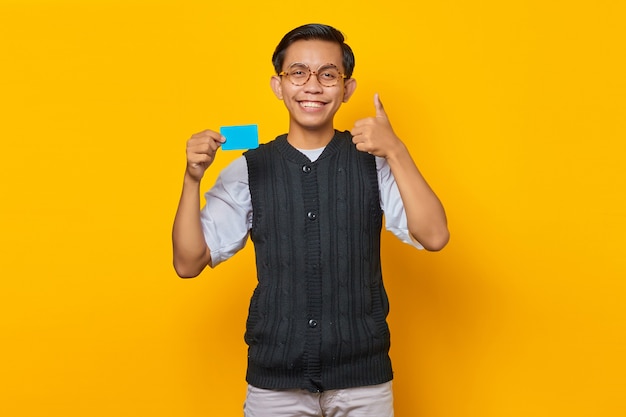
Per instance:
(227,216)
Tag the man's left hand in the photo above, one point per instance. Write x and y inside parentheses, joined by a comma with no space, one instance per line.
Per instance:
(375,135)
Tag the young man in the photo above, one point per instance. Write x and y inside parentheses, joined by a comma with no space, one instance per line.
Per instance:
(312,202)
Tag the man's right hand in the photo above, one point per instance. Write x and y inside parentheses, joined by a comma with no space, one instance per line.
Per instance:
(201,149)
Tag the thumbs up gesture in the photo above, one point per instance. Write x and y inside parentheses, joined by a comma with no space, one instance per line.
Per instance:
(375,135)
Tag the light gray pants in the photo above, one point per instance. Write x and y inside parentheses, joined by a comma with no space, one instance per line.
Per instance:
(370,401)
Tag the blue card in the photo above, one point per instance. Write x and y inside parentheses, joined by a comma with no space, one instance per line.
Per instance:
(240,137)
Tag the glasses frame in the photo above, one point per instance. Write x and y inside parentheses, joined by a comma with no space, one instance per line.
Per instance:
(311,72)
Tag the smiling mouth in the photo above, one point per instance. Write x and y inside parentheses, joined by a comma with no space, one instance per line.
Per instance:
(312,104)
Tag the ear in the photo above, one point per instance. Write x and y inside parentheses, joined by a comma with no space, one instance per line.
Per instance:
(275,83)
(349,86)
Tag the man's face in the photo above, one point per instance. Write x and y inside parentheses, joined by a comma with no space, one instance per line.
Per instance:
(312,106)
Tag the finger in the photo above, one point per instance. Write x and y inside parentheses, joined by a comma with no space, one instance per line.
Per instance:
(360,122)
(209,134)
(197,162)
(216,137)
(362,147)
(204,146)
(380,110)
(363,123)
(357,131)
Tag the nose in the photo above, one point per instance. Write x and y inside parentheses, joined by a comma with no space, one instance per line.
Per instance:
(313,84)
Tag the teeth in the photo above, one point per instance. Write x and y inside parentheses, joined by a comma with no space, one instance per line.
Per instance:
(311,104)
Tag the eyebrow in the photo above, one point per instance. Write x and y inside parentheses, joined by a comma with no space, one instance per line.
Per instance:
(328,64)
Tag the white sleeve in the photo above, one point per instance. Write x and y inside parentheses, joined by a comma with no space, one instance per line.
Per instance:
(227,215)
(391,203)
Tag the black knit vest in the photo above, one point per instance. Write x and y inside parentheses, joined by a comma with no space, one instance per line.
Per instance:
(317,318)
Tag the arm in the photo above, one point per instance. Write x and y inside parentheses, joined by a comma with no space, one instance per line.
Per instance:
(425,214)
(191,253)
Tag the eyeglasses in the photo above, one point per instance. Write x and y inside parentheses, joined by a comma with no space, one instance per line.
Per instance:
(298,74)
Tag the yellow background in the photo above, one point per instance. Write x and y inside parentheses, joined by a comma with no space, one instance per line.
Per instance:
(514,112)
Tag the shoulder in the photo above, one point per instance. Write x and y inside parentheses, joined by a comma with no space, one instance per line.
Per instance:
(266,146)
(236,171)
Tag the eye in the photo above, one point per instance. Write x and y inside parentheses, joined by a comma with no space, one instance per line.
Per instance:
(298,72)
(329,75)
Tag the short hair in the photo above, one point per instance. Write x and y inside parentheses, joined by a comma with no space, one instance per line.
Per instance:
(319,32)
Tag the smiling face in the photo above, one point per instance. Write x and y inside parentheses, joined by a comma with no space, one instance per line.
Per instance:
(312,106)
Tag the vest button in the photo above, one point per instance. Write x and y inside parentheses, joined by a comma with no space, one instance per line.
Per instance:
(306,169)
(311,215)
(312,323)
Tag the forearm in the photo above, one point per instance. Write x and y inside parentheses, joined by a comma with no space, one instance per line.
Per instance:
(191,253)
(426,218)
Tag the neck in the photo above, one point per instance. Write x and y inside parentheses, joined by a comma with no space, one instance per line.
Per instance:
(310,139)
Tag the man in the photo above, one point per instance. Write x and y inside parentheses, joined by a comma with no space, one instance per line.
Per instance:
(312,203)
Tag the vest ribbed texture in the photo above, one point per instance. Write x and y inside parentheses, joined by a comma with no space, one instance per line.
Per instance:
(317,317)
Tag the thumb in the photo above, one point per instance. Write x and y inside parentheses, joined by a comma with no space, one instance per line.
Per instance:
(380,110)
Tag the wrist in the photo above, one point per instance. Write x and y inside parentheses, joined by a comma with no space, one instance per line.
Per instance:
(397,152)
(191,180)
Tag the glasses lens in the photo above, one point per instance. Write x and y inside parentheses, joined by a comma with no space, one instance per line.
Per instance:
(298,74)
(328,75)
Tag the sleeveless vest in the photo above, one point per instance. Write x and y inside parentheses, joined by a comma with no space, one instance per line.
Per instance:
(317,318)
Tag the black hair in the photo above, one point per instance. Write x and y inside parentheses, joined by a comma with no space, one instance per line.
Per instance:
(314,31)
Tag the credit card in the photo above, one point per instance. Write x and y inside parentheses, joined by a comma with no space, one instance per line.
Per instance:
(240,137)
